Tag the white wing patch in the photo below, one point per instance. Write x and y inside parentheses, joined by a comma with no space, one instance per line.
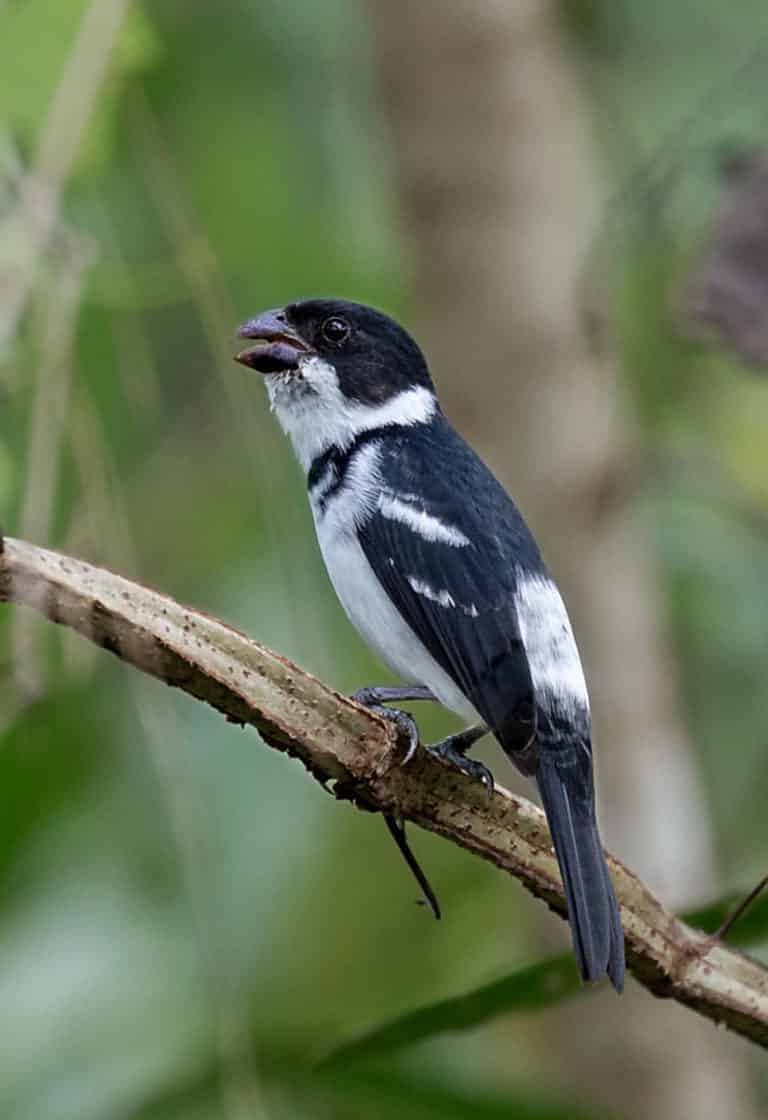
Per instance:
(549,643)
(428,526)
(443,596)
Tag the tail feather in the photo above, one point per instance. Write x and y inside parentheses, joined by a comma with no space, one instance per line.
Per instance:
(566,792)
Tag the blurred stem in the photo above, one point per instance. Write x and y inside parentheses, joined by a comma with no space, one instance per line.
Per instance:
(195,260)
(56,325)
(230,1007)
(198,265)
(71,107)
(337,739)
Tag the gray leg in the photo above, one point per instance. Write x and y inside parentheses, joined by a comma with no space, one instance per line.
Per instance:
(454,748)
(374,698)
(385,695)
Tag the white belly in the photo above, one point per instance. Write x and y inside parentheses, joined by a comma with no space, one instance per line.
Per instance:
(371,612)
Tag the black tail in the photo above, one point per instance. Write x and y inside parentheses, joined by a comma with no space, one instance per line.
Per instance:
(565,784)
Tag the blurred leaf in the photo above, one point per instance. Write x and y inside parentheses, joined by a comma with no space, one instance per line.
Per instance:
(530,989)
(137,50)
(8,475)
(45,773)
(376,1095)
(391,1094)
(30,74)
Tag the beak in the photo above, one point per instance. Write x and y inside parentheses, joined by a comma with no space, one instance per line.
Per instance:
(277,348)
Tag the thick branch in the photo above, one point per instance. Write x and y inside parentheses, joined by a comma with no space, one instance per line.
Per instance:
(337,739)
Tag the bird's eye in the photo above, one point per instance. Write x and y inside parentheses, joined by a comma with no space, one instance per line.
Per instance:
(335,330)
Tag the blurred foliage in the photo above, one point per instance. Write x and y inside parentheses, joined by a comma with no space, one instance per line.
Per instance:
(187,923)
(541,985)
(677,89)
(528,989)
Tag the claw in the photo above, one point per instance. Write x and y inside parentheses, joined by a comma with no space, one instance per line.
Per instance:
(375,697)
(403,722)
(469,766)
(413,743)
(490,785)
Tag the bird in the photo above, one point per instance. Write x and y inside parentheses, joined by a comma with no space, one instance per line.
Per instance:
(437,570)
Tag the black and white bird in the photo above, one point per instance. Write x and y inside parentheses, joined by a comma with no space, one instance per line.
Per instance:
(436,568)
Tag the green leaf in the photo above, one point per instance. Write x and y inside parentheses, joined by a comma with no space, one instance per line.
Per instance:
(35,42)
(529,989)
(391,1095)
(289,1090)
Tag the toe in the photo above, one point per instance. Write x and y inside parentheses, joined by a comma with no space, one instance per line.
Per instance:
(413,742)
(487,779)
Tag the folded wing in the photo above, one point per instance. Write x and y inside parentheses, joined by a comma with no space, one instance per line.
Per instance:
(451,564)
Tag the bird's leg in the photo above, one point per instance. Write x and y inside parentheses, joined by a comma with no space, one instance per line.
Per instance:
(383,694)
(374,698)
(454,748)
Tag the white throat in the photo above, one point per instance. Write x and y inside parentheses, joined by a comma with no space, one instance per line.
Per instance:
(314,413)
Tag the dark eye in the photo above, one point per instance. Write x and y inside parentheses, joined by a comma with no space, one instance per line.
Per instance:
(335,330)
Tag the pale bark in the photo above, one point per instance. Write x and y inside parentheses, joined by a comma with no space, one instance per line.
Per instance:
(339,741)
(499,202)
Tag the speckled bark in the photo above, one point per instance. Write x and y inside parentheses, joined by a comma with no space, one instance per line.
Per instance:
(339,741)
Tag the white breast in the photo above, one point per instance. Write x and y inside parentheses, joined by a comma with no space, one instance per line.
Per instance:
(381,625)
(367,605)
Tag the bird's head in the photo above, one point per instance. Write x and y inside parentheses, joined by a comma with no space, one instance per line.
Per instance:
(333,369)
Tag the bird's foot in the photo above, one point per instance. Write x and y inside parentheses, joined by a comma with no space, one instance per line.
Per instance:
(453,750)
(371,698)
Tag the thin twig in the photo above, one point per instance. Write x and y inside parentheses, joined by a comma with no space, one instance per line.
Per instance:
(397,832)
(722,932)
(338,740)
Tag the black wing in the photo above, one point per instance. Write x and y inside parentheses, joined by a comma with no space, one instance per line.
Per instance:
(459,599)
(458,594)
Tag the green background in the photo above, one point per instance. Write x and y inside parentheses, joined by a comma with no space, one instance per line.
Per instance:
(187,923)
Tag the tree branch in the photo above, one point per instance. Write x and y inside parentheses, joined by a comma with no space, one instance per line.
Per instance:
(338,740)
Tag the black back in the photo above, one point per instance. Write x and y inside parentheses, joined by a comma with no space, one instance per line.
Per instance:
(477,639)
